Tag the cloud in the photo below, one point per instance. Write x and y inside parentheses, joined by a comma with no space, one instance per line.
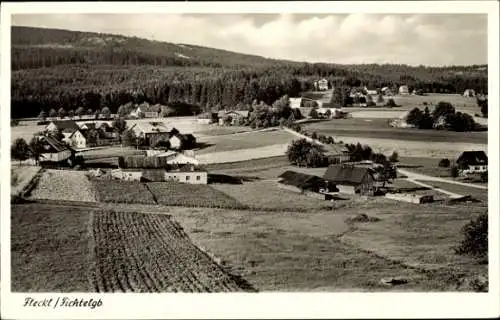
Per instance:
(429,39)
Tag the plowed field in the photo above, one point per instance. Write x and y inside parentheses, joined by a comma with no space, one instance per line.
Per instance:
(151,253)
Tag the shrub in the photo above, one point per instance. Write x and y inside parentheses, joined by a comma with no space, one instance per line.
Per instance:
(475,241)
(394,157)
(444,163)
(454,171)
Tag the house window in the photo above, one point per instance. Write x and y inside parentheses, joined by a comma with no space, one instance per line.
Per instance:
(198,178)
(187,178)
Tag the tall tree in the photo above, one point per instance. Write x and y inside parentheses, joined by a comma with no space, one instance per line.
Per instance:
(19,150)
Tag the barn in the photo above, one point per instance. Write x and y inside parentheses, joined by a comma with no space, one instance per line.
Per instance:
(350,179)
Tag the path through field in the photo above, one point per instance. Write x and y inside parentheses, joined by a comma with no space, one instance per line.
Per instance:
(418,176)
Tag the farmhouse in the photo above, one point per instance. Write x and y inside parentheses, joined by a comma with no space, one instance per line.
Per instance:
(350,179)
(146,111)
(370,92)
(53,150)
(473,162)
(469,93)
(295,103)
(322,84)
(403,90)
(76,140)
(299,182)
(234,117)
(65,126)
(337,153)
(208,118)
(173,157)
(149,130)
(180,141)
(187,174)
(386,91)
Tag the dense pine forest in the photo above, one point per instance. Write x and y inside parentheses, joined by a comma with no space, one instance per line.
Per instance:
(58,68)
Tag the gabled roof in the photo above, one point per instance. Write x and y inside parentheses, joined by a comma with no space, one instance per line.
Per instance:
(473,158)
(89,125)
(299,179)
(148,127)
(74,132)
(335,149)
(54,144)
(347,175)
(243,113)
(66,125)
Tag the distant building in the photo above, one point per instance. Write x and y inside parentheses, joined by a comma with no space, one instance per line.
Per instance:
(208,118)
(180,141)
(54,151)
(173,157)
(149,131)
(147,111)
(350,179)
(473,162)
(65,126)
(235,116)
(322,84)
(295,103)
(469,93)
(76,140)
(386,91)
(300,181)
(337,153)
(403,90)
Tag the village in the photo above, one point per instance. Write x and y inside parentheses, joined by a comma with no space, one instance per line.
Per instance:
(184,175)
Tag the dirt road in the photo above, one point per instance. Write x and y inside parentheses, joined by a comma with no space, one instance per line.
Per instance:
(418,176)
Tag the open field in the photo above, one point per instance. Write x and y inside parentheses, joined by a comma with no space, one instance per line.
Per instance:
(244,141)
(268,195)
(72,249)
(427,166)
(24,131)
(216,130)
(421,236)
(380,129)
(242,154)
(459,189)
(191,195)
(49,249)
(461,103)
(290,251)
(404,148)
(64,185)
(110,152)
(151,253)
(20,177)
(117,191)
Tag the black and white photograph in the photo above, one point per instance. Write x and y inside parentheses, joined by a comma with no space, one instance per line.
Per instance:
(252,152)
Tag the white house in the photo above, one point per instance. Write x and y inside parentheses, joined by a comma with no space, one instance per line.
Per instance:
(295,103)
(173,157)
(76,140)
(184,175)
(53,150)
(146,110)
(469,93)
(403,90)
(323,84)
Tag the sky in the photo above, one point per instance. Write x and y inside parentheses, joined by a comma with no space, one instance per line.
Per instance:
(414,39)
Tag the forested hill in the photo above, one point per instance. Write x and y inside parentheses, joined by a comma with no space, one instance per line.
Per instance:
(55,69)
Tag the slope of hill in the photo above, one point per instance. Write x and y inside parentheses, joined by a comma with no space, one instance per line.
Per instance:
(60,69)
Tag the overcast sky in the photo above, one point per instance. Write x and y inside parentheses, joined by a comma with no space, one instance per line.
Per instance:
(428,39)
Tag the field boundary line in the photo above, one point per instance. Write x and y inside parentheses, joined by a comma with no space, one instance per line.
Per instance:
(419,176)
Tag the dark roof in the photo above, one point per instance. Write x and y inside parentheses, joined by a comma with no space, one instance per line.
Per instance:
(473,158)
(347,175)
(66,125)
(56,145)
(299,179)
(90,125)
